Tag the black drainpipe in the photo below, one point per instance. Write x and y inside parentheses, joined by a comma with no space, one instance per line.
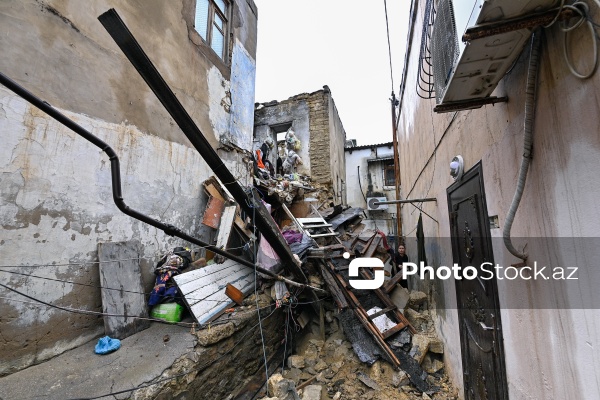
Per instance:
(116,180)
(263,221)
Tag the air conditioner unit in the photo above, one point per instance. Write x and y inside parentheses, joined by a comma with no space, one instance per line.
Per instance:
(372,203)
(471,71)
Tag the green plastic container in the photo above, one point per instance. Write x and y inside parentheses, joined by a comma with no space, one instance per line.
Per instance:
(170,312)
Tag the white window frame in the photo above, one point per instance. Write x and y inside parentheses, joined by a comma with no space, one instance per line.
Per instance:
(208,28)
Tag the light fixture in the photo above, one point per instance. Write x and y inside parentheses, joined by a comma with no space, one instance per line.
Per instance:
(457,167)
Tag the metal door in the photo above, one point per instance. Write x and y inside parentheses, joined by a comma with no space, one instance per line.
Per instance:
(477,299)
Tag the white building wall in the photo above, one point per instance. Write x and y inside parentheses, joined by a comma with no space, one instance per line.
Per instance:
(552,353)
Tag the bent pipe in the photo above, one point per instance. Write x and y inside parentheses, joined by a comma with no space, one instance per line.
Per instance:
(125,40)
(116,180)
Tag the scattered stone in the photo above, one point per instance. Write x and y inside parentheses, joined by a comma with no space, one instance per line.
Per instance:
(328,373)
(420,346)
(417,299)
(401,339)
(207,337)
(310,370)
(400,379)
(294,374)
(335,367)
(337,396)
(416,319)
(431,364)
(426,396)
(281,388)
(312,392)
(305,376)
(296,361)
(367,381)
(320,366)
(317,343)
(436,346)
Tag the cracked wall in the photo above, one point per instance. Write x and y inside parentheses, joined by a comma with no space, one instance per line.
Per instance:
(316,123)
(56,200)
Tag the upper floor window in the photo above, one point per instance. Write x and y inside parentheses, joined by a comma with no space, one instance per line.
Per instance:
(389,177)
(211,23)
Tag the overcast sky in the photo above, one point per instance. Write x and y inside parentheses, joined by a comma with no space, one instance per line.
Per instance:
(303,45)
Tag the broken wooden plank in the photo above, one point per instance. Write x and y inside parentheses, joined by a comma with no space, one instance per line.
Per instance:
(394,330)
(322,234)
(381,312)
(120,268)
(225,226)
(212,214)
(385,298)
(372,246)
(204,289)
(335,290)
(234,294)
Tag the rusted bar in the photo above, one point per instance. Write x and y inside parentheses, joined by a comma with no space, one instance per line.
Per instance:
(468,104)
(526,22)
(117,29)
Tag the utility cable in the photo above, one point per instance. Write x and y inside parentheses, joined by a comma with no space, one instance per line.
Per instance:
(530,102)
(256,295)
(389,45)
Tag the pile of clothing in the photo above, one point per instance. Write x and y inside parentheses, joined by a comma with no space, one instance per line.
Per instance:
(172,263)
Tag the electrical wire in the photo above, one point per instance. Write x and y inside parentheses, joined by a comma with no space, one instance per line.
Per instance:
(389,45)
(262,338)
(100,287)
(37,302)
(194,247)
(582,9)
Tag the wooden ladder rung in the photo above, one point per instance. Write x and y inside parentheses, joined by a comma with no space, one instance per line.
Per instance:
(395,329)
(381,312)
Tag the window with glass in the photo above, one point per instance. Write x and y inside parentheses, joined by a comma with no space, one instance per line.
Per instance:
(211,23)
(389,177)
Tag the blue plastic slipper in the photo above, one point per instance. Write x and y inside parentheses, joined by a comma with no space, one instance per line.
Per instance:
(107,345)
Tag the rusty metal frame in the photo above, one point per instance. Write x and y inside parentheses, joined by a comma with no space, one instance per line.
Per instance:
(468,104)
(526,22)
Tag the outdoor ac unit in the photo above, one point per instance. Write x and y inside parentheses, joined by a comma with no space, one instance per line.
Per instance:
(470,71)
(372,203)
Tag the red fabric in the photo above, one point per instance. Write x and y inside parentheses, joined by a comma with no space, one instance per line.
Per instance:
(259,161)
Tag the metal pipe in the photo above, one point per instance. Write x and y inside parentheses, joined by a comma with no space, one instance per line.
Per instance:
(376,203)
(138,58)
(530,102)
(116,180)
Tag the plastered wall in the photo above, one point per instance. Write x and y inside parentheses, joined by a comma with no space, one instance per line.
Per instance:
(56,202)
(551,353)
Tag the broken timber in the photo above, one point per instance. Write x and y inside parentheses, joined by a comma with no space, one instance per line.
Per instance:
(117,29)
(204,289)
(336,280)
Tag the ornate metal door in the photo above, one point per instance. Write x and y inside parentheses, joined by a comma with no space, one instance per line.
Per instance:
(477,299)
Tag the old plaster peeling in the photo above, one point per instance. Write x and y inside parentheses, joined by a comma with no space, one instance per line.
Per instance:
(243,72)
(219,102)
(56,201)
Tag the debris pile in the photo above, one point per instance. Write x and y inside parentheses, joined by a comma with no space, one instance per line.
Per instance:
(330,369)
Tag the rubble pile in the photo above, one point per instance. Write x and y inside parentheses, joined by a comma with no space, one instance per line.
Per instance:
(330,369)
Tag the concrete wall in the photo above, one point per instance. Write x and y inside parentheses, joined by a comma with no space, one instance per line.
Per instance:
(56,201)
(549,353)
(284,112)
(337,161)
(370,174)
(315,121)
